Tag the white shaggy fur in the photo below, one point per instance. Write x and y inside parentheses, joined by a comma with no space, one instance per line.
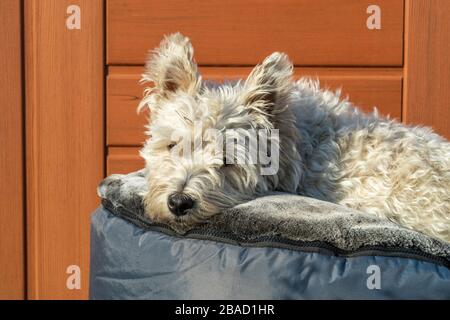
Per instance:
(329,150)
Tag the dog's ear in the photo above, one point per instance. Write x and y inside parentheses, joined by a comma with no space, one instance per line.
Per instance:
(171,67)
(267,88)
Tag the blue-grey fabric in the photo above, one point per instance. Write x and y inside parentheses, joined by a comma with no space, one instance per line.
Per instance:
(129,262)
(279,246)
(281,214)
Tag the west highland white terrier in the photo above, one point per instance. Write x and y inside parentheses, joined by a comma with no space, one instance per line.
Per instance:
(309,141)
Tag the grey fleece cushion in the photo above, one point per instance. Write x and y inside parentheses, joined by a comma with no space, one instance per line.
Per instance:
(286,215)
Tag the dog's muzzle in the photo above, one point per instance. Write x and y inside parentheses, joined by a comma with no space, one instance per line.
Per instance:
(179,203)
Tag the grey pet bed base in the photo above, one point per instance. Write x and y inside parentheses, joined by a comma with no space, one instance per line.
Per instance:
(276,247)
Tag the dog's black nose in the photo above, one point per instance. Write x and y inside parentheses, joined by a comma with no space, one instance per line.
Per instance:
(179,203)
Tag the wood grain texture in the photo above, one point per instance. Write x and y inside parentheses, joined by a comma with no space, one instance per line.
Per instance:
(312,32)
(65,145)
(123,160)
(12,250)
(427,65)
(366,87)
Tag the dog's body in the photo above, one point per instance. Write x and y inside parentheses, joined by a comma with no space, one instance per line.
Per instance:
(373,164)
(328,149)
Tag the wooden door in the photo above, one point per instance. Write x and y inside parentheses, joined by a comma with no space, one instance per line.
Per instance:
(325,39)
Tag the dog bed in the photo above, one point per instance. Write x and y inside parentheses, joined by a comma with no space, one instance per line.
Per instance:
(280,246)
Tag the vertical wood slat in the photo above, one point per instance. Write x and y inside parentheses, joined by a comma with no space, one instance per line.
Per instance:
(12,251)
(426,95)
(65,141)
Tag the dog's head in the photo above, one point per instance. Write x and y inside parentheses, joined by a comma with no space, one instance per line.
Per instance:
(212,147)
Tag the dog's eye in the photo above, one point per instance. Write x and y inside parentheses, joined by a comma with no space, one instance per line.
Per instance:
(170,146)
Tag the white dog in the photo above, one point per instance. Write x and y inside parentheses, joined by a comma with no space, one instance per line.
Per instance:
(328,149)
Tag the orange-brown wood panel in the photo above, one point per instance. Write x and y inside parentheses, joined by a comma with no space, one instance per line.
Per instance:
(12,255)
(366,87)
(124,126)
(124,160)
(312,32)
(65,144)
(427,64)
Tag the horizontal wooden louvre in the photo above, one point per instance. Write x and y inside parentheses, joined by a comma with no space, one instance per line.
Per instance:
(123,160)
(365,87)
(236,32)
